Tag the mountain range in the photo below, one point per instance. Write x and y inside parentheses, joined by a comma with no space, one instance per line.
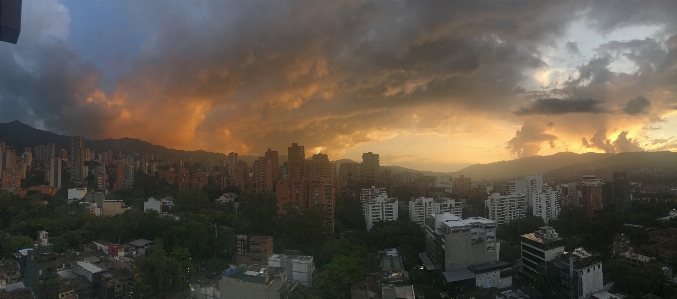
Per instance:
(565,165)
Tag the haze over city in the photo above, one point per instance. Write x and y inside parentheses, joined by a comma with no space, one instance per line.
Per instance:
(424,84)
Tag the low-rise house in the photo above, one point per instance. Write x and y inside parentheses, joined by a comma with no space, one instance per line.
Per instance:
(398,292)
(141,245)
(226,198)
(10,272)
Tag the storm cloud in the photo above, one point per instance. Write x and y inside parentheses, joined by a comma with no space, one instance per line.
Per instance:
(245,76)
(562,106)
(638,105)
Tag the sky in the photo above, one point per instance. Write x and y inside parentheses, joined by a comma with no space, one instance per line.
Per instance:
(426,84)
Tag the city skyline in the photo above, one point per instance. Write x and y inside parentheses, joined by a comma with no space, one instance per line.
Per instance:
(439,86)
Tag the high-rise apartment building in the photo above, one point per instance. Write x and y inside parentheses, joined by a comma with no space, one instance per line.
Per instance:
(50,151)
(462,186)
(39,154)
(370,168)
(296,163)
(128,181)
(421,207)
(306,192)
(592,194)
(77,159)
(621,190)
(322,167)
(528,186)
(380,208)
(53,172)
(547,204)
(232,162)
(349,172)
(505,208)
(265,173)
(119,174)
(569,194)
(371,193)
(11,179)
(274,161)
(454,243)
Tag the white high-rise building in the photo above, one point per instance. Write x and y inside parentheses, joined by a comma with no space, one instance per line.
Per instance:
(370,193)
(547,204)
(528,186)
(504,209)
(421,207)
(380,208)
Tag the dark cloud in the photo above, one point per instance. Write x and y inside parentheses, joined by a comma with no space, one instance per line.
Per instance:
(621,144)
(528,141)
(572,48)
(562,106)
(636,106)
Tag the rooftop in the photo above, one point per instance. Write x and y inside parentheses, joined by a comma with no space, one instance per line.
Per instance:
(140,242)
(458,275)
(490,266)
(453,221)
(277,256)
(89,267)
(544,235)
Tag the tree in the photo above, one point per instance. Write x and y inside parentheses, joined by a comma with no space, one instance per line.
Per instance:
(158,275)
(12,244)
(305,229)
(348,212)
(337,277)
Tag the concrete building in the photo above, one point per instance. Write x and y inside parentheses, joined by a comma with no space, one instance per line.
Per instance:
(104,207)
(256,282)
(529,186)
(53,172)
(592,194)
(538,248)
(455,243)
(505,208)
(301,268)
(370,168)
(306,193)
(380,208)
(367,194)
(621,191)
(392,268)
(581,273)
(232,161)
(153,205)
(77,159)
(77,193)
(445,183)
(547,204)
(296,161)
(420,207)
(568,194)
(40,272)
(398,292)
(128,180)
(322,167)
(349,172)
(254,250)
